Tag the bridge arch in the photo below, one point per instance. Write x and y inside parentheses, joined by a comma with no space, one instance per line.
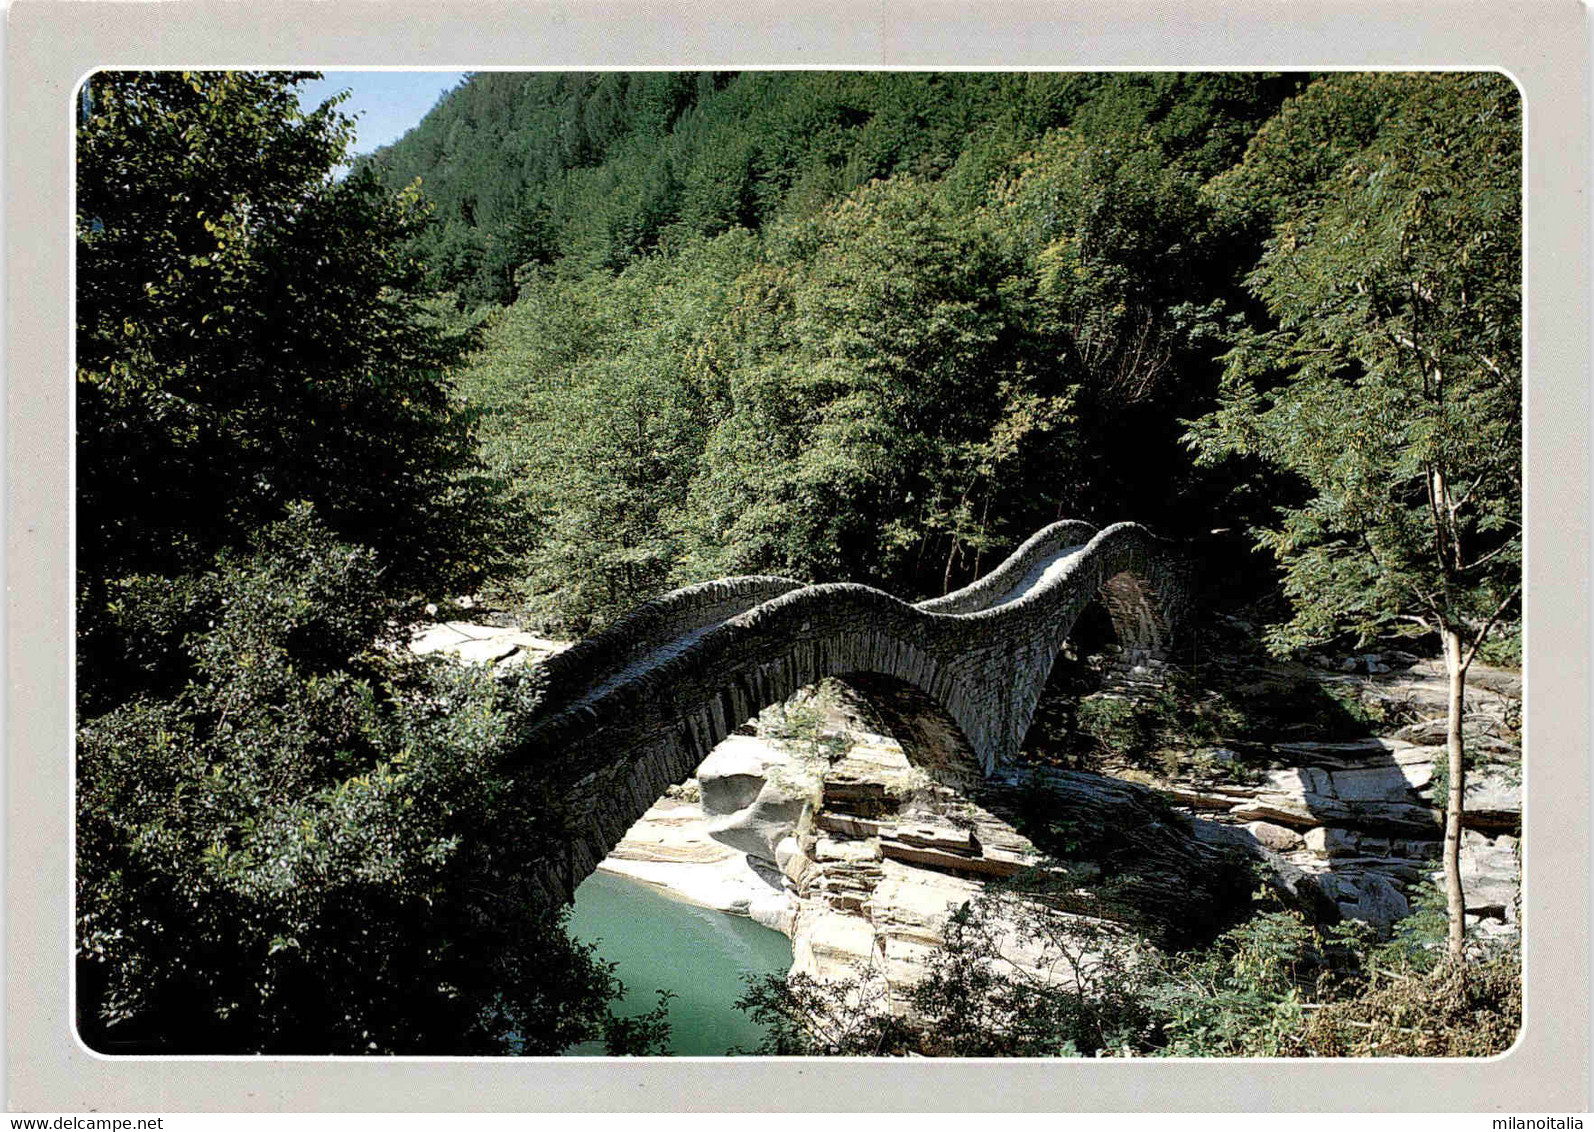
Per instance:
(622,716)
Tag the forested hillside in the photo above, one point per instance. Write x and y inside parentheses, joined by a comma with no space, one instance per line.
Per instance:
(841,326)
(861,326)
(599,168)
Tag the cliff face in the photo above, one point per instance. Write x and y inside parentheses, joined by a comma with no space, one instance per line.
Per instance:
(1363,816)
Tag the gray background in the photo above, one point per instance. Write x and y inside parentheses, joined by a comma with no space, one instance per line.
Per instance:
(52,45)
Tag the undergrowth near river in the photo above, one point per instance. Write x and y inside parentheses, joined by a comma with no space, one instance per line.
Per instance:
(1274,986)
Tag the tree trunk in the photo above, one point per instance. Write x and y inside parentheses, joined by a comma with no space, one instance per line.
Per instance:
(951,557)
(1454,897)
(979,549)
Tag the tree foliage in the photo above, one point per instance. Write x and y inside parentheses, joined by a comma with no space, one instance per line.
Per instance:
(286,841)
(929,322)
(248,335)
(310,848)
(1388,378)
(1394,364)
(900,398)
(595,170)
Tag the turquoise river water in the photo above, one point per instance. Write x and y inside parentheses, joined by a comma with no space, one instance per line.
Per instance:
(665,944)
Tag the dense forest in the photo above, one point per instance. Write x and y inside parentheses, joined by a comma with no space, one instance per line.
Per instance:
(578,339)
(880,327)
(836,326)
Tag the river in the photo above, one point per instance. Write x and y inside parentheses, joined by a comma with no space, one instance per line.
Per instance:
(665,944)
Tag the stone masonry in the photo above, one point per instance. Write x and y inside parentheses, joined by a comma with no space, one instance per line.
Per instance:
(625,714)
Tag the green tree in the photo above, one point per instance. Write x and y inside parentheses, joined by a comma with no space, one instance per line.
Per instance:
(597,396)
(310,848)
(1127,281)
(288,838)
(1389,381)
(884,425)
(249,333)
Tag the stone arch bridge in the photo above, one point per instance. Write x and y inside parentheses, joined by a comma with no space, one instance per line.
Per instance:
(624,714)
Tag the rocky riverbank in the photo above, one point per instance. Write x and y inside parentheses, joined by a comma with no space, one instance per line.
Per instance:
(853,856)
(1364,817)
(871,857)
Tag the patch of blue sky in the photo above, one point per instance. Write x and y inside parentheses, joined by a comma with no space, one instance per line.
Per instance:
(384,104)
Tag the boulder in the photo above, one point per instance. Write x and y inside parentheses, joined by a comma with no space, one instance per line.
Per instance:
(1407,872)
(941,859)
(1276,837)
(1373,846)
(831,945)
(1299,810)
(950,839)
(1365,797)
(1300,782)
(1494,797)
(1330,841)
(776,911)
(1399,817)
(1380,904)
(733,774)
(753,795)
(830,849)
(915,903)
(759,828)
(1490,894)
(1415,850)
(1490,874)
(789,850)
(483,644)
(1391,783)
(850,825)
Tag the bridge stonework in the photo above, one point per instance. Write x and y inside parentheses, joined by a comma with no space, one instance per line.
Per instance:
(623,715)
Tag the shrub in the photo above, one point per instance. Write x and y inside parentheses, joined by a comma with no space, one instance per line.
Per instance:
(798,725)
(1273,986)
(1459,1010)
(1241,997)
(1113,723)
(972,1002)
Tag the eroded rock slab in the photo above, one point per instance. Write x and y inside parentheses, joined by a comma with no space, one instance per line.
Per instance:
(473,643)
(671,849)
(755,794)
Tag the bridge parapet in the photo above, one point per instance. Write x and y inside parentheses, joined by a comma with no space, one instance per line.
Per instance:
(986,590)
(637,707)
(650,628)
